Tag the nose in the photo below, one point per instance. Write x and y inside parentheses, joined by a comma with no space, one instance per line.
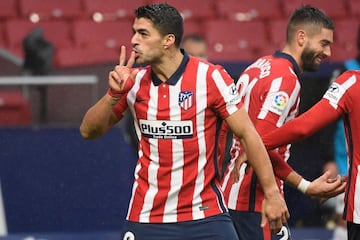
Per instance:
(327,51)
(134,39)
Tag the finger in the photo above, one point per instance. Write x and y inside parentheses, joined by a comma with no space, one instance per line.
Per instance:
(131,60)
(263,219)
(122,57)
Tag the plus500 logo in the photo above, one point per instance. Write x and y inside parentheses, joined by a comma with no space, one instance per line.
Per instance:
(166,129)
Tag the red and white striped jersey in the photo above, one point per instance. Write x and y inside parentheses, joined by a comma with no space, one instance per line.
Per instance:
(341,99)
(270,92)
(344,94)
(177,124)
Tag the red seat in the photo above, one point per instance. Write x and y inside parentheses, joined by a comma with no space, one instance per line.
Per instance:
(82,56)
(354,7)
(111,9)
(247,10)
(345,39)
(111,34)
(277,33)
(199,9)
(193,27)
(51,8)
(333,8)
(233,40)
(56,32)
(8,9)
(14,109)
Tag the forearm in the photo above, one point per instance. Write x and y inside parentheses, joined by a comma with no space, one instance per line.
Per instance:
(99,118)
(260,161)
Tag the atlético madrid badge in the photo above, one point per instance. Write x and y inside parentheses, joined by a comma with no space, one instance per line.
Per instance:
(186,99)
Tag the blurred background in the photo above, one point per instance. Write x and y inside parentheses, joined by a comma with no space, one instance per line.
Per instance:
(55,56)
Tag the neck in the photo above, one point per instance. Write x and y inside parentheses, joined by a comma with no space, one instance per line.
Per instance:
(169,64)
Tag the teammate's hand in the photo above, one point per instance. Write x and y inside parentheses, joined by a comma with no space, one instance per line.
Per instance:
(121,78)
(326,186)
(274,211)
(240,160)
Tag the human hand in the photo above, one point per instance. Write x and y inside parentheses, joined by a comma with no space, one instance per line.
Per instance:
(242,158)
(121,78)
(326,186)
(274,211)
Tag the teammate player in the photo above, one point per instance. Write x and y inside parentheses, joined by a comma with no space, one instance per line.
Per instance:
(176,101)
(340,100)
(270,89)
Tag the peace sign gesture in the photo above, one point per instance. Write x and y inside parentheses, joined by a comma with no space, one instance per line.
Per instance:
(121,78)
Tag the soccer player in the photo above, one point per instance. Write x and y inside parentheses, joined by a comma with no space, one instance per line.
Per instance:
(177,101)
(340,100)
(270,89)
(195,45)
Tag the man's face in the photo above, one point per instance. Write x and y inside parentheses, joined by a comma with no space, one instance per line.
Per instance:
(195,48)
(316,49)
(147,42)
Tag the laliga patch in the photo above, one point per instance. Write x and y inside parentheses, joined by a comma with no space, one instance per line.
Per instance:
(186,99)
(279,102)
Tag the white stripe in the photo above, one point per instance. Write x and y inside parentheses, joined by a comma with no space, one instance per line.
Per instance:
(3,227)
(154,156)
(357,197)
(235,188)
(292,100)
(178,159)
(201,104)
(135,185)
(275,86)
(248,94)
(225,90)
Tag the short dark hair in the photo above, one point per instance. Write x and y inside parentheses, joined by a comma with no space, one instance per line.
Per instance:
(308,15)
(166,19)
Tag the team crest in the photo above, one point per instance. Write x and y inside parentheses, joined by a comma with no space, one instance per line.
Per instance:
(186,99)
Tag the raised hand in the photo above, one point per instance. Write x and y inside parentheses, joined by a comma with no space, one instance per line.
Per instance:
(121,78)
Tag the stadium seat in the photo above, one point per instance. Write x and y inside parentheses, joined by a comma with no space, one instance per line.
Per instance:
(109,34)
(199,9)
(248,10)
(232,40)
(354,7)
(193,27)
(3,43)
(44,10)
(102,10)
(14,109)
(83,56)
(345,39)
(333,8)
(277,33)
(56,32)
(8,9)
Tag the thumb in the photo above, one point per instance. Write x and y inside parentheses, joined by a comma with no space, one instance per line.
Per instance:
(263,219)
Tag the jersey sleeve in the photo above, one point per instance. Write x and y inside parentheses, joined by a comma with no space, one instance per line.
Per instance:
(320,115)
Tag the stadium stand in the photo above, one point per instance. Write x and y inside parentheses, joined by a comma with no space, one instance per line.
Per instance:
(14,109)
(8,9)
(37,10)
(235,41)
(249,10)
(109,10)
(333,8)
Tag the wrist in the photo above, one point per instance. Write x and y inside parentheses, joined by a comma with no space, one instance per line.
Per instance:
(114,94)
(303,185)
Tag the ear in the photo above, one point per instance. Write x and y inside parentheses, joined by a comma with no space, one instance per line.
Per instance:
(169,40)
(301,37)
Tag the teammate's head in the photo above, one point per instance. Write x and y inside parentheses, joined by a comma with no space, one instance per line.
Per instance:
(165,18)
(310,31)
(195,45)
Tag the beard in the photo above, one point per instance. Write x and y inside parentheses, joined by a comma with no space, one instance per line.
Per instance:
(308,57)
